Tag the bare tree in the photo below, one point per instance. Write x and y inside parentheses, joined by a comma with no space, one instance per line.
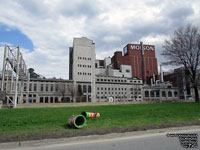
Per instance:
(62,90)
(72,92)
(183,48)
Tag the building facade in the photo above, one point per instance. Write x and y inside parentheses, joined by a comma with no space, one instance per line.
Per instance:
(82,65)
(39,91)
(140,57)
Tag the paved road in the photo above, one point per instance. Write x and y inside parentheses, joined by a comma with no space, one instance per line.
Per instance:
(155,141)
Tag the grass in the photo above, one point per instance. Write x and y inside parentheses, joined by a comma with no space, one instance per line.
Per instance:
(37,120)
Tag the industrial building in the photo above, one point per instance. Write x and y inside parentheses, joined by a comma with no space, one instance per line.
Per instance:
(141,58)
(117,78)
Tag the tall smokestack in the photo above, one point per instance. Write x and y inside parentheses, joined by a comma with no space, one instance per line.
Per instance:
(142,57)
(161,74)
(154,79)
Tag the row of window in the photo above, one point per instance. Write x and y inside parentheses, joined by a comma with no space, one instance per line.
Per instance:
(112,92)
(117,97)
(115,80)
(84,58)
(47,87)
(84,73)
(131,89)
(98,88)
(84,66)
(41,100)
(157,93)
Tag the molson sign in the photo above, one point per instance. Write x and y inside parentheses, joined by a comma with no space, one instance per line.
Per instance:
(138,47)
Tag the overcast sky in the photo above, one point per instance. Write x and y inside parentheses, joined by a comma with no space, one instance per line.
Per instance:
(45,28)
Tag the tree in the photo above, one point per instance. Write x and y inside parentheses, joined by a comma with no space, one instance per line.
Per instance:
(62,89)
(183,49)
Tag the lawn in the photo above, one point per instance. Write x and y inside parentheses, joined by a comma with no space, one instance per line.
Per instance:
(37,120)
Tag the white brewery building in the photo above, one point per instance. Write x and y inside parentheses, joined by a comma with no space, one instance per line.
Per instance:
(90,80)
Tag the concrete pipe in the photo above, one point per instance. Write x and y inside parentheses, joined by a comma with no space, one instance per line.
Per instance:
(77,121)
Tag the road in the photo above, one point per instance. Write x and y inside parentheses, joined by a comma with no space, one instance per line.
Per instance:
(154,141)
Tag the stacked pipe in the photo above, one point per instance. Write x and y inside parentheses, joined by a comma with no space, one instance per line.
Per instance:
(91,114)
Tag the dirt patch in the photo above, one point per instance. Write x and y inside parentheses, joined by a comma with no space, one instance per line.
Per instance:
(75,132)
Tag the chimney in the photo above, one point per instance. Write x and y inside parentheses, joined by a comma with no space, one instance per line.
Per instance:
(161,74)
(154,79)
(142,58)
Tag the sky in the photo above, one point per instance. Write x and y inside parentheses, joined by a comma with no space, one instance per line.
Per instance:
(44,29)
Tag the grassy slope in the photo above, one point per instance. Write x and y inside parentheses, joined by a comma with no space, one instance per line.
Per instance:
(36,120)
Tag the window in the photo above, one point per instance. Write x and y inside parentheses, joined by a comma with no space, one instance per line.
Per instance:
(127,70)
(89,88)
(51,87)
(30,87)
(157,93)
(24,86)
(163,94)
(51,99)
(152,94)
(35,87)
(146,93)
(169,93)
(41,87)
(47,87)
(41,100)
(46,99)
(175,93)
(84,88)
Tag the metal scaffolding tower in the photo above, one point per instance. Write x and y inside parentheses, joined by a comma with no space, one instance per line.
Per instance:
(14,71)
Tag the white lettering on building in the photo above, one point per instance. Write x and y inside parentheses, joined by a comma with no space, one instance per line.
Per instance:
(138,47)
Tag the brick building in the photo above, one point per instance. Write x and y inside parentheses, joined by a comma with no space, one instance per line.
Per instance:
(132,55)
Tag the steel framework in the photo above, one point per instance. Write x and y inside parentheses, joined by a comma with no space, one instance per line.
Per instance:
(14,71)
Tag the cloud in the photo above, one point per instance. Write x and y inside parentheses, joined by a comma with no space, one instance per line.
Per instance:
(52,25)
